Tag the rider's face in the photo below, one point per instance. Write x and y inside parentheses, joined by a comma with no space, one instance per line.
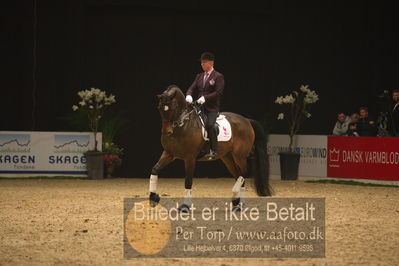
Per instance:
(395,96)
(206,65)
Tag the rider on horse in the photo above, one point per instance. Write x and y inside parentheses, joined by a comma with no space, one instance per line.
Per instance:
(182,138)
(209,86)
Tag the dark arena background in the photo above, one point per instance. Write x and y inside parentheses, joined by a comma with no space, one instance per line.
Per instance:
(347,51)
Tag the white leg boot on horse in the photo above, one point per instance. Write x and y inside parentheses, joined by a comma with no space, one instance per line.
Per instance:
(185,207)
(242,194)
(236,194)
(154,197)
(163,161)
(239,186)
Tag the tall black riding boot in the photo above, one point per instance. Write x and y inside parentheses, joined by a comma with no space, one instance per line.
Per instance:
(212,143)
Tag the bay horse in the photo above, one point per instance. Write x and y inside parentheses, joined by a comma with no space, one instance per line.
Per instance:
(182,138)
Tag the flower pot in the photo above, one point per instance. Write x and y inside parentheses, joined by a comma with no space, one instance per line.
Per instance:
(289,165)
(95,164)
(109,170)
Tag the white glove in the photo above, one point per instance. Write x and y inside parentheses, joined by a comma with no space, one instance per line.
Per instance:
(189,99)
(201,100)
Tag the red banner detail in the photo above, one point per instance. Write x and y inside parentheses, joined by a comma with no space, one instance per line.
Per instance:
(363,157)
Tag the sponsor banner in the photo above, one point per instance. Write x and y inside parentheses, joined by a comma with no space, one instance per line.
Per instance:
(363,157)
(45,152)
(264,228)
(313,150)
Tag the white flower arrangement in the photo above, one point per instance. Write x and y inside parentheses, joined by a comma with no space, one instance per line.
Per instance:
(93,102)
(299,102)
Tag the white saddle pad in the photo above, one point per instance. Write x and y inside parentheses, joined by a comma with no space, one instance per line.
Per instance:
(224,129)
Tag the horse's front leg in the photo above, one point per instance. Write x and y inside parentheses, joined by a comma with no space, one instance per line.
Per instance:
(163,161)
(189,164)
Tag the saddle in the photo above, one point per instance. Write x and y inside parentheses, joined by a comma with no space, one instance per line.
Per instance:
(222,126)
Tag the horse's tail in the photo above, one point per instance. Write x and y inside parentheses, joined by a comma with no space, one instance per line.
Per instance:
(260,169)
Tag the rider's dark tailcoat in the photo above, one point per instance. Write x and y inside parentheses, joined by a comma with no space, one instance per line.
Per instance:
(212,91)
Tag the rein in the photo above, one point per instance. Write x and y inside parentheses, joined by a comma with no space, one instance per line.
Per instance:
(182,119)
(185,116)
(198,111)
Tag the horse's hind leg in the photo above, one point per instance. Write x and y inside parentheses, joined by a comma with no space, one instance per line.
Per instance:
(163,161)
(239,186)
(189,164)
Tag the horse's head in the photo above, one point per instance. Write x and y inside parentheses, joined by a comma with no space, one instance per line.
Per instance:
(171,105)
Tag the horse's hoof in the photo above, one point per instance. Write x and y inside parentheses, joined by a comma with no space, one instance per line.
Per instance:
(184,208)
(236,205)
(154,199)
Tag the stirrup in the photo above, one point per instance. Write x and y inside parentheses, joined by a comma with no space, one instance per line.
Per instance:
(211,155)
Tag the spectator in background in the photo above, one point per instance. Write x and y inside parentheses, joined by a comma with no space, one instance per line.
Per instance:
(341,126)
(352,127)
(394,118)
(366,126)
